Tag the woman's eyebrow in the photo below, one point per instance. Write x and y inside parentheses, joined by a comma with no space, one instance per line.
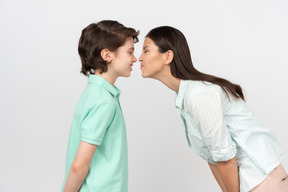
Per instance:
(145,47)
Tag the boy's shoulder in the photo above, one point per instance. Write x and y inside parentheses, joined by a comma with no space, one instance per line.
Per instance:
(96,95)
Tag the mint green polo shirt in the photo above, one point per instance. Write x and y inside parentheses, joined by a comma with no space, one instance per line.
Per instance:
(98,120)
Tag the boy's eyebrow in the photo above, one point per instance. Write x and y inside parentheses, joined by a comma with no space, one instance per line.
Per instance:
(132,48)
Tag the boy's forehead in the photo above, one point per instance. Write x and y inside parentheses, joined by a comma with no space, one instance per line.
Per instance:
(129,42)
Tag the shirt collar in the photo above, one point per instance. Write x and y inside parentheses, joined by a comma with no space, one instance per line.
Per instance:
(180,95)
(98,80)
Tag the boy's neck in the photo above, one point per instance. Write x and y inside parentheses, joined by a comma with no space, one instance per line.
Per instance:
(108,77)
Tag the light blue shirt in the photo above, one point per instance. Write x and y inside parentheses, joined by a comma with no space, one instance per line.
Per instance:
(219,127)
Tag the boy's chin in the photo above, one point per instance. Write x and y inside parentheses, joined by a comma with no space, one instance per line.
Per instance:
(126,75)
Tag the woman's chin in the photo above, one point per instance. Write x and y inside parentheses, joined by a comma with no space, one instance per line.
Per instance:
(144,75)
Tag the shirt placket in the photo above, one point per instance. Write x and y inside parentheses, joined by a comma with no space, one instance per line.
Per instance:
(117,98)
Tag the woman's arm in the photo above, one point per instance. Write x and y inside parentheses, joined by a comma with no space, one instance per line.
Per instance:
(217,176)
(79,167)
(228,171)
(226,174)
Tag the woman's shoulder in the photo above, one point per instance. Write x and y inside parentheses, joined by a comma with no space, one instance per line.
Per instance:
(197,87)
(196,90)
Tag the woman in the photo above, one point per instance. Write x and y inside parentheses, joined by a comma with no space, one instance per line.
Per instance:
(241,152)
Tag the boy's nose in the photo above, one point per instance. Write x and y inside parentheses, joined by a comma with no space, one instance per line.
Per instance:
(140,59)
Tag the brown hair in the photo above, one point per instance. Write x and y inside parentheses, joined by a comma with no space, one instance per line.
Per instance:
(169,38)
(98,36)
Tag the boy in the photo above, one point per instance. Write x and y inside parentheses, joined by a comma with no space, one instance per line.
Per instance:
(96,158)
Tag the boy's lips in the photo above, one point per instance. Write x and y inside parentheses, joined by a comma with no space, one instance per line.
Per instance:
(130,66)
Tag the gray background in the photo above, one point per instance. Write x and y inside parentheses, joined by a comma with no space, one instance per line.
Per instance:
(243,41)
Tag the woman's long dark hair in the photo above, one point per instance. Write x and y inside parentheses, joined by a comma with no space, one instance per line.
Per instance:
(169,38)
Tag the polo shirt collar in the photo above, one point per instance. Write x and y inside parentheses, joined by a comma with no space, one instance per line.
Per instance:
(180,95)
(98,80)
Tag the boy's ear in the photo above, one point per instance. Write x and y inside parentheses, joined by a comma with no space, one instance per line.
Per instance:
(106,55)
(169,55)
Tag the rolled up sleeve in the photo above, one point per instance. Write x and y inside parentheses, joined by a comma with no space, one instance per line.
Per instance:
(206,109)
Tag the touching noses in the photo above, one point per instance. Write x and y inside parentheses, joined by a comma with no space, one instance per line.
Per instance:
(140,58)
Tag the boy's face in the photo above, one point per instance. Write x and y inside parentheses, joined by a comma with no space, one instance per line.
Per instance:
(123,59)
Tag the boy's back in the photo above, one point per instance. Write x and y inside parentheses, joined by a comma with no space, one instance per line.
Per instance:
(98,120)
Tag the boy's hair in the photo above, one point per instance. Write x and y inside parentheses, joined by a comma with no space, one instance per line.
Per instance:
(106,34)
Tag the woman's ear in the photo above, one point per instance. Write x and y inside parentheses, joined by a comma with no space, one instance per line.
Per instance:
(106,55)
(169,56)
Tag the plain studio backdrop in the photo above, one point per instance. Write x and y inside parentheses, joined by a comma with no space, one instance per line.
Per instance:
(243,41)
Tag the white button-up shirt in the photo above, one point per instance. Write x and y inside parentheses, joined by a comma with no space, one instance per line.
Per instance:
(219,128)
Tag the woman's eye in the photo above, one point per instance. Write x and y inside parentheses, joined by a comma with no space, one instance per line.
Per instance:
(145,51)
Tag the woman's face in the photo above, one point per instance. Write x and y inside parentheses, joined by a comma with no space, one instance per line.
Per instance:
(152,61)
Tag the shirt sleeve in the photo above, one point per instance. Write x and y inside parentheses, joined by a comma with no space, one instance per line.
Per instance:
(96,121)
(206,109)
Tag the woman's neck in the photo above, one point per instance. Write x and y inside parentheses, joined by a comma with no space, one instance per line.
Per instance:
(169,80)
